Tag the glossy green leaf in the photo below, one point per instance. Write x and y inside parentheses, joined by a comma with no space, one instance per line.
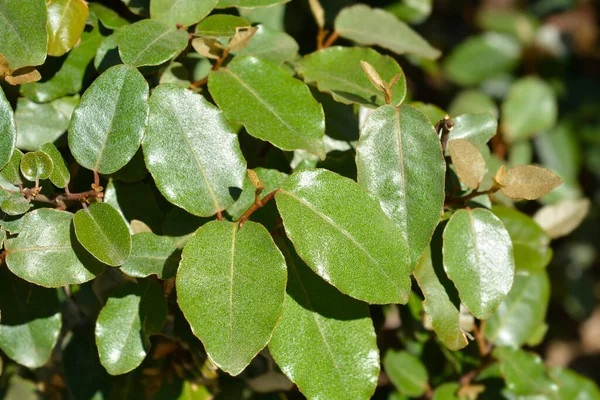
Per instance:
(184,12)
(523,310)
(103,232)
(476,128)
(399,160)
(529,108)
(271,179)
(481,57)
(14,204)
(321,335)
(231,287)
(510,21)
(441,299)
(36,165)
(66,21)
(249,3)
(407,372)
(151,254)
(8,131)
(411,11)
(107,54)
(12,171)
(574,386)
(130,316)
(220,25)
(447,391)
(371,26)
(39,123)
(473,101)
(530,242)
(270,45)
(177,74)
(60,175)
(270,17)
(31,320)
(337,70)
(478,258)
(149,42)
(109,18)
(266,100)
(191,151)
(108,125)
(524,372)
(72,74)
(47,253)
(23,32)
(433,113)
(340,231)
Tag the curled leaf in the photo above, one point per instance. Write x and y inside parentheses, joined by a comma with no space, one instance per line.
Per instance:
(527,182)
(468,161)
(23,75)
(242,37)
(207,47)
(373,75)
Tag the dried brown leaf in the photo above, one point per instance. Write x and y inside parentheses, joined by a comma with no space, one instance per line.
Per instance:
(207,47)
(528,182)
(468,161)
(23,75)
(318,12)
(242,37)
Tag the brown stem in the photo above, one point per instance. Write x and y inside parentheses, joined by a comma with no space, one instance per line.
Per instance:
(332,38)
(215,67)
(219,215)
(321,38)
(199,83)
(96,178)
(258,203)
(481,342)
(465,199)
(467,378)
(445,125)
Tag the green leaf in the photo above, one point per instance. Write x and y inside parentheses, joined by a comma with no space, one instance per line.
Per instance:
(478,258)
(322,212)
(523,310)
(270,17)
(30,320)
(66,21)
(108,125)
(177,74)
(36,165)
(47,253)
(149,42)
(433,113)
(151,254)
(60,175)
(12,171)
(220,25)
(39,123)
(446,391)
(271,179)
(192,152)
(109,18)
(574,386)
(8,131)
(270,45)
(399,160)
(138,7)
(231,287)
(476,128)
(406,372)
(321,335)
(271,101)
(71,76)
(249,3)
(372,26)
(23,32)
(441,299)
(130,316)
(473,101)
(524,372)
(103,232)
(529,108)
(530,242)
(107,54)
(184,12)
(337,70)
(510,21)
(15,204)
(481,57)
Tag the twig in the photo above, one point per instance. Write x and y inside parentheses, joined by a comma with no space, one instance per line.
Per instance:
(321,38)
(215,67)
(467,378)
(443,128)
(258,203)
(481,342)
(332,38)
(465,199)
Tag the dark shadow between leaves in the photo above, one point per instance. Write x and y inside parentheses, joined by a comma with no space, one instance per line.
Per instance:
(235,192)
(438,264)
